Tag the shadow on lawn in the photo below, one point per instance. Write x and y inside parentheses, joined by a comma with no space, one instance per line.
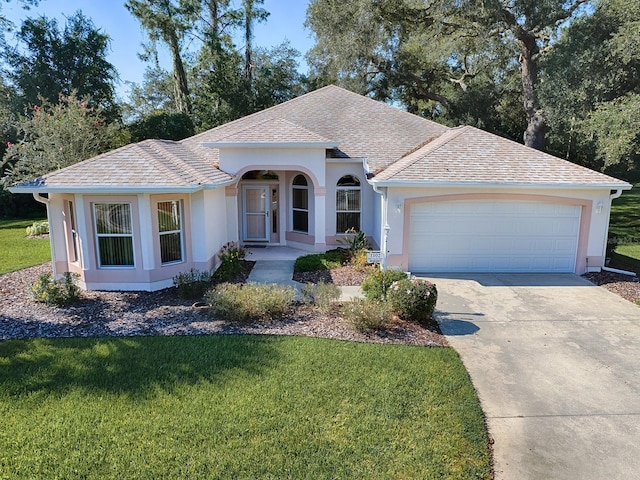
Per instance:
(137,366)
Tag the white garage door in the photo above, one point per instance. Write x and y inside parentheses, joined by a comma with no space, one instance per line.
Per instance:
(493,236)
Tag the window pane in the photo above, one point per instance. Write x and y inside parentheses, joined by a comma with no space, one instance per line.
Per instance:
(170,247)
(300,180)
(345,221)
(348,181)
(348,200)
(300,221)
(169,216)
(116,251)
(301,198)
(113,218)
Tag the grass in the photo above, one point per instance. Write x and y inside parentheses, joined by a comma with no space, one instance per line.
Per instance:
(18,251)
(236,407)
(319,261)
(625,225)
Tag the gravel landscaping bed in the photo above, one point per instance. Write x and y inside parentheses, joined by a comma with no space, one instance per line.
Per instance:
(100,314)
(626,286)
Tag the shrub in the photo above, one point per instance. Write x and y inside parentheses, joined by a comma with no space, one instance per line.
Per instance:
(413,299)
(38,228)
(321,294)
(366,315)
(356,241)
(231,255)
(192,284)
(318,261)
(64,291)
(251,301)
(375,286)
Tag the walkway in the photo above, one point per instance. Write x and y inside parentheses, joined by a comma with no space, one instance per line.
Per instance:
(555,361)
(275,265)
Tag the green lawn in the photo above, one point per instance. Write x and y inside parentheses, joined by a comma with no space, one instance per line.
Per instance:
(625,224)
(236,407)
(16,250)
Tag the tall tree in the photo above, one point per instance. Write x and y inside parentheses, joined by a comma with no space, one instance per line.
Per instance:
(418,48)
(252,13)
(48,62)
(56,135)
(169,21)
(591,88)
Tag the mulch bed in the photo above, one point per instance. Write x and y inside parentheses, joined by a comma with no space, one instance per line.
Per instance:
(342,276)
(626,286)
(100,314)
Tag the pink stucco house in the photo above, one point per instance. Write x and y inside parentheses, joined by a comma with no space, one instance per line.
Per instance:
(432,198)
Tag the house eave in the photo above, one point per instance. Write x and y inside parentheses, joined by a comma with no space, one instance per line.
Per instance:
(106,190)
(500,185)
(270,145)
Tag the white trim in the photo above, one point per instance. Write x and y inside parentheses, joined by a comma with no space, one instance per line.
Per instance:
(327,144)
(267,204)
(98,235)
(494,185)
(98,190)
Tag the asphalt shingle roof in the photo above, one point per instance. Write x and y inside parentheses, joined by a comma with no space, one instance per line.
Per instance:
(398,146)
(362,127)
(153,164)
(469,155)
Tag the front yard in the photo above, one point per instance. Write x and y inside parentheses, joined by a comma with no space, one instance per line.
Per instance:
(236,406)
(18,251)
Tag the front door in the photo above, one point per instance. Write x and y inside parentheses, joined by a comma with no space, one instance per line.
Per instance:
(255,222)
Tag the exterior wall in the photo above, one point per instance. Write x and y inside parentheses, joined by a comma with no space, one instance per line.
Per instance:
(593,226)
(204,232)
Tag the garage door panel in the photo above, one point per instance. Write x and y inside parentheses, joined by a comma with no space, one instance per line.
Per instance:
(493,236)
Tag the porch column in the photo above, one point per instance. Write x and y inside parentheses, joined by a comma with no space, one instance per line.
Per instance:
(320,215)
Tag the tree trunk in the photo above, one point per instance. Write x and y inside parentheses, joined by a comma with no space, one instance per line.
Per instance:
(183,100)
(248,33)
(534,135)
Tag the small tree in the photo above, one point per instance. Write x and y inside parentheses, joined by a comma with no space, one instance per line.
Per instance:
(54,136)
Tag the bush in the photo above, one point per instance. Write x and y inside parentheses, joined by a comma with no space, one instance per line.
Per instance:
(56,292)
(231,256)
(375,286)
(366,315)
(356,241)
(192,284)
(413,299)
(319,261)
(38,228)
(251,301)
(321,294)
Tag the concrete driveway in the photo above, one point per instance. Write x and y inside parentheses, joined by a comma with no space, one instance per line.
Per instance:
(556,363)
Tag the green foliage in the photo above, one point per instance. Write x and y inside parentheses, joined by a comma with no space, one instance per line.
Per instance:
(50,62)
(355,241)
(321,294)
(319,261)
(231,255)
(251,301)
(590,91)
(162,125)
(375,286)
(55,136)
(367,315)
(64,291)
(163,407)
(413,299)
(19,251)
(192,284)
(38,228)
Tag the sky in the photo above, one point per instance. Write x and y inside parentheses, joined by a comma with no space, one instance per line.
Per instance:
(285,23)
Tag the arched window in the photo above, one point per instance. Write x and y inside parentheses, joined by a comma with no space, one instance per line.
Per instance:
(300,204)
(347,204)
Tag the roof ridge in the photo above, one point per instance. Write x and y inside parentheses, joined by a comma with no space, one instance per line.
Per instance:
(149,144)
(273,120)
(428,147)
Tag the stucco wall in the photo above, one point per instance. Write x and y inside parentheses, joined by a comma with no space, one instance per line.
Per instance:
(596,224)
